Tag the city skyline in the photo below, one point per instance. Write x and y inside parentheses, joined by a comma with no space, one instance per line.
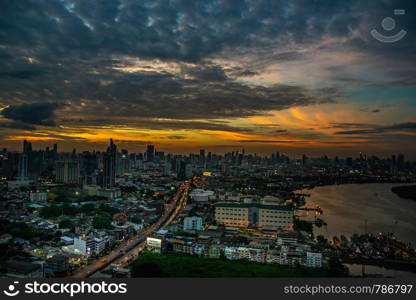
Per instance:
(111,148)
(297,76)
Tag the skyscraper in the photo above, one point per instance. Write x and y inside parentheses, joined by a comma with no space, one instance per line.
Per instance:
(124,161)
(67,171)
(24,161)
(182,170)
(202,156)
(150,153)
(109,162)
(400,162)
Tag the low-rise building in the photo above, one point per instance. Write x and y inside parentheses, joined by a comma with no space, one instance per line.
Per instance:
(254,214)
(313,260)
(38,196)
(287,238)
(193,223)
(58,263)
(214,251)
(22,269)
(84,245)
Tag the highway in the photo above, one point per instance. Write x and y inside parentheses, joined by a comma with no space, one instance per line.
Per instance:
(132,248)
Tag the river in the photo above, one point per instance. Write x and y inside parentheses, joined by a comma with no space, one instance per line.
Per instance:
(356,208)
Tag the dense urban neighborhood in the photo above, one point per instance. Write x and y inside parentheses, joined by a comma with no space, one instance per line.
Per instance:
(151,214)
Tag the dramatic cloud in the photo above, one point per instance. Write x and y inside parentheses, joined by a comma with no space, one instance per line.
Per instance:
(268,141)
(200,66)
(16,125)
(410,127)
(35,113)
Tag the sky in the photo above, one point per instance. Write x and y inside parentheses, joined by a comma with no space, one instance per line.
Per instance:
(300,76)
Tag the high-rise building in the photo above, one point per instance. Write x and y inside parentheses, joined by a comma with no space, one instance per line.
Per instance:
(124,162)
(150,153)
(304,160)
(67,171)
(182,170)
(202,156)
(23,167)
(55,149)
(109,164)
(400,162)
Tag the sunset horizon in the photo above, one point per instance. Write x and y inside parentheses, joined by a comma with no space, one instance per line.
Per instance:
(173,76)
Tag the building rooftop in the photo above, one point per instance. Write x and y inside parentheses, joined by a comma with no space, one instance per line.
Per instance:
(255,205)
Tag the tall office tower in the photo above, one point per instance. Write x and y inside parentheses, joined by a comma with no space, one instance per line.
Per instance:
(202,156)
(239,160)
(150,153)
(89,162)
(23,173)
(182,170)
(67,171)
(167,170)
(304,160)
(278,155)
(160,155)
(124,162)
(88,166)
(393,165)
(400,162)
(109,162)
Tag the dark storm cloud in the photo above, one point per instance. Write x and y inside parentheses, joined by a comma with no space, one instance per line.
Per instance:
(16,125)
(156,124)
(245,73)
(269,141)
(59,51)
(35,113)
(361,131)
(409,127)
(206,73)
(350,125)
(207,94)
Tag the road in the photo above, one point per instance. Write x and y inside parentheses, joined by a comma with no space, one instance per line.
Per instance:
(132,248)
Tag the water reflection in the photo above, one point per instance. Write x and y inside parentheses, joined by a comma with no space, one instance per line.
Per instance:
(356,208)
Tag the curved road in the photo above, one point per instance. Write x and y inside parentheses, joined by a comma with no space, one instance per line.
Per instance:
(132,248)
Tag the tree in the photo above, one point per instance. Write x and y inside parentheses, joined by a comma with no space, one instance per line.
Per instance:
(69,210)
(102,222)
(67,224)
(321,240)
(108,209)
(302,225)
(51,211)
(147,269)
(336,268)
(87,209)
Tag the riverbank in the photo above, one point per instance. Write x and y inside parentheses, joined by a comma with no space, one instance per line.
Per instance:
(390,264)
(356,270)
(361,208)
(405,191)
